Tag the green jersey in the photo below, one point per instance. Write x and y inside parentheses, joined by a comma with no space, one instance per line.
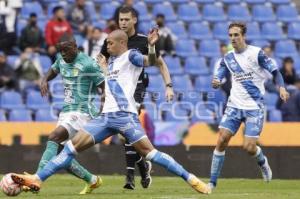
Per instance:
(80,80)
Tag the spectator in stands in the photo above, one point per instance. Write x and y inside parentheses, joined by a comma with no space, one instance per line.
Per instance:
(111,25)
(7,76)
(32,35)
(288,71)
(226,82)
(28,70)
(55,28)
(79,18)
(269,83)
(167,39)
(8,19)
(291,110)
(93,46)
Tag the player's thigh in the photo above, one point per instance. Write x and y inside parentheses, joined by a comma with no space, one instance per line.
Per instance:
(231,120)
(82,141)
(253,123)
(59,134)
(98,129)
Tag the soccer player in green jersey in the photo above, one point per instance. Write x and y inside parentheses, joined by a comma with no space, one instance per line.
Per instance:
(82,77)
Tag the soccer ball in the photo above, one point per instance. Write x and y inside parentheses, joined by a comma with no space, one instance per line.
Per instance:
(9,187)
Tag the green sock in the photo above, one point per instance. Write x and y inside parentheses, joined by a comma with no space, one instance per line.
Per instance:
(49,153)
(79,171)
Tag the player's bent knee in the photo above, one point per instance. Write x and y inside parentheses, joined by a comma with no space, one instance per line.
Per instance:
(58,136)
(82,141)
(250,148)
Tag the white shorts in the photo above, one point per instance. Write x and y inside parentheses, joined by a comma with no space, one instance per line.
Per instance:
(73,121)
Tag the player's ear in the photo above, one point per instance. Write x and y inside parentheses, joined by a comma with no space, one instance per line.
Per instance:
(134,20)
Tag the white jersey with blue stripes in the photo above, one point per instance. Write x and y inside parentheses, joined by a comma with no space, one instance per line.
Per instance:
(121,81)
(248,74)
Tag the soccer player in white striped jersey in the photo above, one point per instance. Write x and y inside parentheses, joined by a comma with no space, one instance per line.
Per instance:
(246,65)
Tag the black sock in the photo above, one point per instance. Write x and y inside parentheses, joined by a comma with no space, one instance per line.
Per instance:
(130,156)
(142,165)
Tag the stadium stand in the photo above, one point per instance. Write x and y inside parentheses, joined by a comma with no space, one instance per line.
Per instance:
(200,25)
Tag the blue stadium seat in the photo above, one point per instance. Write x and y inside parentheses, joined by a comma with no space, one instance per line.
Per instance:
(280,1)
(11,59)
(178,29)
(255,1)
(238,13)
(20,26)
(141,7)
(199,31)
(11,100)
(190,97)
(152,111)
(2,116)
(216,96)
(152,70)
(57,102)
(179,1)
(272,31)
(260,43)
(29,7)
(188,12)
(45,63)
(220,31)
(271,100)
(209,48)
(45,115)
(155,83)
(56,86)
(42,24)
(166,9)
(294,30)
(99,24)
(99,2)
(34,100)
(231,1)
(203,83)
(20,115)
(154,1)
(213,13)
(204,1)
(275,116)
(287,13)
(296,63)
(50,1)
(145,26)
(196,66)
(263,13)
(186,47)
(79,39)
(90,7)
(107,10)
(285,48)
(253,31)
(174,65)
(182,83)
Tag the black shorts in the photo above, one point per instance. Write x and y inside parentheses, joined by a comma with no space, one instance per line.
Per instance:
(139,93)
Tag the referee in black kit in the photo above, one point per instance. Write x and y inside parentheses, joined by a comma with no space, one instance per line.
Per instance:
(127,21)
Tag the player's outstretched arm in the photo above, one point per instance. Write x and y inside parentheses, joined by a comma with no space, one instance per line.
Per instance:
(51,74)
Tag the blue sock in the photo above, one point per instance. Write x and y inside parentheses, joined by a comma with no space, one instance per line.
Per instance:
(168,163)
(259,156)
(216,166)
(62,160)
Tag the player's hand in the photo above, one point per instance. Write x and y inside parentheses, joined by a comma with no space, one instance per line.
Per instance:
(284,95)
(44,88)
(101,60)
(153,36)
(169,94)
(216,83)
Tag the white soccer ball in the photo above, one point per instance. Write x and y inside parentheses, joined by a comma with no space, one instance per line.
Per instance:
(9,187)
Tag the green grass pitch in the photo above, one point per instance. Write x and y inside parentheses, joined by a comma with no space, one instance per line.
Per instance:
(67,187)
